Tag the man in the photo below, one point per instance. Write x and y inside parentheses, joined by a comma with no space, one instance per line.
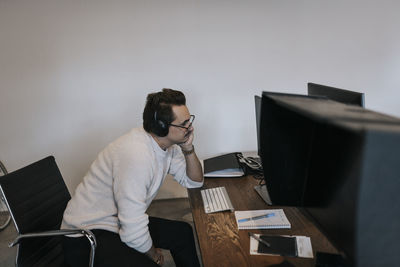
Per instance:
(121,183)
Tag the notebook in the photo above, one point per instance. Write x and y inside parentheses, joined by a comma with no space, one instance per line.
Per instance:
(283,246)
(279,245)
(262,219)
(226,165)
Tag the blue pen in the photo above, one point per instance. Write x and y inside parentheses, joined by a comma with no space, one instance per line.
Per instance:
(257,217)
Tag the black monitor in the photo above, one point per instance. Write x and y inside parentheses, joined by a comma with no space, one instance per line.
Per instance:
(285,143)
(352,188)
(340,95)
(341,164)
(257,101)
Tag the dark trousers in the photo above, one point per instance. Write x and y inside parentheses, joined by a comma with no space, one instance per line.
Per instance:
(176,236)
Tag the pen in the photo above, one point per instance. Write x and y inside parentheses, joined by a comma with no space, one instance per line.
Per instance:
(259,239)
(257,217)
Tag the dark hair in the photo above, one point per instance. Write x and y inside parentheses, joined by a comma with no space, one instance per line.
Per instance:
(157,114)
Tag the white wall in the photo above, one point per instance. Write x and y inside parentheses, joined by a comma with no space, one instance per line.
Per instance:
(74,74)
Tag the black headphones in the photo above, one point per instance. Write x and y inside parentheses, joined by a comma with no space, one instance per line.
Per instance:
(161,128)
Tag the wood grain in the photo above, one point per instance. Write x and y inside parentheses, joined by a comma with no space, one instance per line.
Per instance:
(223,244)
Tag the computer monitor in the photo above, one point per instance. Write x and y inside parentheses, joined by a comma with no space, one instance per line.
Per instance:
(341,165)
(340,95)
(352,189)
(257,101)
(261,189)
(285,143)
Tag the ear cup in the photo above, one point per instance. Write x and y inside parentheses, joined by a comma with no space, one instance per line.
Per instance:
(161,128)
(162,124)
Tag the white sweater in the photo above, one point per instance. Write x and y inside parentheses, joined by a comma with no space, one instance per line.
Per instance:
(120,185)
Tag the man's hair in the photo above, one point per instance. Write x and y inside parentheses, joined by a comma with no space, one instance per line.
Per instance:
(158,114)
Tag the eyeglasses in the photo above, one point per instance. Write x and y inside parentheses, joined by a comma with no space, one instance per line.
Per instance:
(188,122)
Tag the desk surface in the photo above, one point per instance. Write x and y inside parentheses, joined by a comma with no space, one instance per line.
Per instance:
(223,244)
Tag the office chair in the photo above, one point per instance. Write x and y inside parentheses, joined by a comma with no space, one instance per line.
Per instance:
(5,217)
(36,197)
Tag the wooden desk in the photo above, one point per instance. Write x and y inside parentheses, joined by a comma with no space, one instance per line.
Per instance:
(222,244)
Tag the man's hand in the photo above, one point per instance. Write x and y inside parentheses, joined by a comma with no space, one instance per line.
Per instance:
(193,166)
(156,255)
(187,145)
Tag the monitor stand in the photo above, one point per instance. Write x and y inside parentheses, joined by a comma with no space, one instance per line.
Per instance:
(263,192)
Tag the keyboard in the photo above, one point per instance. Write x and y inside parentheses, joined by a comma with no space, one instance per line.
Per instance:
(216,199)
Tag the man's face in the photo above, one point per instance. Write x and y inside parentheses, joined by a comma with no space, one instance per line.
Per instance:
(182,118)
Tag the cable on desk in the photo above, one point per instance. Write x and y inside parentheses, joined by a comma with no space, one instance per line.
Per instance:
(252,166)
(259,177)
(251,162)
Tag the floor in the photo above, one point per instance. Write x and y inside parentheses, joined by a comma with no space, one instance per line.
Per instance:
(175,209)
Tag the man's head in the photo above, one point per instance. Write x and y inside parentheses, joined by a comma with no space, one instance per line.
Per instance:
(163,110)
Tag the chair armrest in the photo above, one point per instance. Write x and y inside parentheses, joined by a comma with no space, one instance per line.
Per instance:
(89,235)
(54,233)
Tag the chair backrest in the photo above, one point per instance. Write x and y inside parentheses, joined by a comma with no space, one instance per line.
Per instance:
(36,196)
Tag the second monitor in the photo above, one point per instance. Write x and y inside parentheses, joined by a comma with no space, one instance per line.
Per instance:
(339,95)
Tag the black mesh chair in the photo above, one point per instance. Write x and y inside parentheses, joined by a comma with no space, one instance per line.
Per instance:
(5,217)
(36,197)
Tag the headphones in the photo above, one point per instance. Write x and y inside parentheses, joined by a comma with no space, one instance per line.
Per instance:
(160,127)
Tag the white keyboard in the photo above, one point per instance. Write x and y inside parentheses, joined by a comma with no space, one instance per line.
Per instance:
(216,199)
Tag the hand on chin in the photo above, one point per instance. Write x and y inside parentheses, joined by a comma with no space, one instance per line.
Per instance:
(187,141)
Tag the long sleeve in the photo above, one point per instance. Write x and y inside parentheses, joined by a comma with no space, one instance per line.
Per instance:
(132,179)
(178,169)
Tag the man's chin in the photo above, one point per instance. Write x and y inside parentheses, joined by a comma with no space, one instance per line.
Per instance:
(184,140)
